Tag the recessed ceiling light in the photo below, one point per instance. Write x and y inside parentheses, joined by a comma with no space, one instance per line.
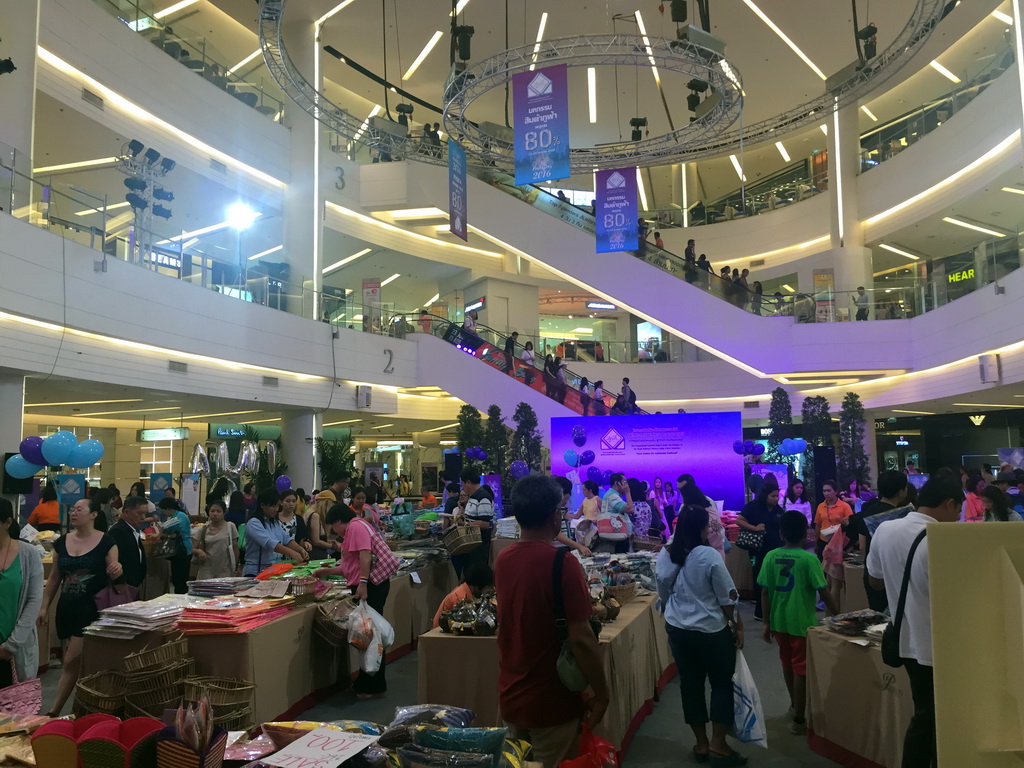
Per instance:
(339,7)
(137,410)
(417,213)
(390,279)
(736,166)
(592,92)
(383,426)
(245,61)
(275,249)
(346,421)
(346,260)
(439,429)
(540,37)
(868,112)
(1003,17)
(782,151)
(944,72)
(922,413)
(1014,190)
(423,54)
(84,402)
(975,227)
(174,8)
(789,287)
(792,46)
(893,249)
(986,405)
(80,164)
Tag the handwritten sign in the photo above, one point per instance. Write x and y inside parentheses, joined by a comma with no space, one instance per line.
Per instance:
(322,748)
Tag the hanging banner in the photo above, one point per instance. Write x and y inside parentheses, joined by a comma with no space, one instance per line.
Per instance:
(615,211)
(457,203)
(159,482)
(540,102)
(371,305)
(70,488)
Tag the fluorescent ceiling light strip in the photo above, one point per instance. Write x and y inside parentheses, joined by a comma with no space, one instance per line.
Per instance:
(641,190)
(540,37)
(390,279)
(383,426)
(346,260)
(417,213)
(975,227)
(346,421)
(1014,190)
(366,122)
(893,249)
(79,164)
(793,47)
(1003,17)
(125,205)
(868,112)
(789,287)
(439,429)
(1000,148)
(736,165)
(174,8)
(647,45)
(339,7)
(267,252)
(592,92)
(944,72)
(432,299)
(138,113)
(137,410)
(459,7)
(83,402)
(921,413)
(199,232)
(208,415)
(782,151)
(245,61)
(824,128)
(423,54)
(263,421)
(163,351)
(986,405)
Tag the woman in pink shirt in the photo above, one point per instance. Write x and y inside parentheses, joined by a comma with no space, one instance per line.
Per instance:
(973,510)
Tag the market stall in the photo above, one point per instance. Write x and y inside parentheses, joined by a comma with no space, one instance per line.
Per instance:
(853,596)
(742,571)
(858,708)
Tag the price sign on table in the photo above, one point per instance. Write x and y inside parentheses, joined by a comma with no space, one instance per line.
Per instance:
(322,748)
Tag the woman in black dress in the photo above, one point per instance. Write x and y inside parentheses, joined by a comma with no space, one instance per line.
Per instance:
(762,515)
(85,562)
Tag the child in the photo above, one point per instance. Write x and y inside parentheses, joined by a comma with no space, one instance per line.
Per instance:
(790,576)
(478,578)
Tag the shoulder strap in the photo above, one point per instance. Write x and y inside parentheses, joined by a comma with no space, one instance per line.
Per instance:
(561,625)
(898,620)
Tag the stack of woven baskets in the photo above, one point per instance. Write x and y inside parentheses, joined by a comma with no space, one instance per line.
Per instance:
(231,700)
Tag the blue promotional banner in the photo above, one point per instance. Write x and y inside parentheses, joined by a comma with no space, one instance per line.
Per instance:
(615,212)
(158,483)
(457,204)
(70,488)
(540,103)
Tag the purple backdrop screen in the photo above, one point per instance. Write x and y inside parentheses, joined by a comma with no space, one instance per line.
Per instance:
(649,446)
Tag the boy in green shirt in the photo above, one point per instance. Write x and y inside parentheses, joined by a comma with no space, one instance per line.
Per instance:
(791,576)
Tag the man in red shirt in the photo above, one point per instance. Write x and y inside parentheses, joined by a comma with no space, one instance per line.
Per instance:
(534,703)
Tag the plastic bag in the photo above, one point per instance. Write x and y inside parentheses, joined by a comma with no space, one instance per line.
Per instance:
(418,757)
(365,622)
(485,741)
(595,752)
(832,556)
(748,717)
(360,627)
(400,732)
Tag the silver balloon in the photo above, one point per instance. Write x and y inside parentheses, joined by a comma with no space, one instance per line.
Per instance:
(248,458)
(271,457)
(200,461)
(224,460)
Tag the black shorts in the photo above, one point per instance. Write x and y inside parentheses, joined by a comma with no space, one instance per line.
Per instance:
(74,614)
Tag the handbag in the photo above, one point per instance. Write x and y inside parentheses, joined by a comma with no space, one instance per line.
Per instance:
(752,541)
(108,597)
(891,635)
(167,546)
(569,671)
(21,698)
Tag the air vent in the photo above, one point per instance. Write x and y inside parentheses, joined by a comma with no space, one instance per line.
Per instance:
(92,98)
(217,165)
(175,367)
(757,263)
(751,403)
(270,381)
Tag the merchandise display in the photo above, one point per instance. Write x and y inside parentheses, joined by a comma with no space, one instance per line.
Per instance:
(478,616)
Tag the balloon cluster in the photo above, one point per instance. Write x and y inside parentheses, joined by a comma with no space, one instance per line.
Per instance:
(748,448)
(595,475)
(59,449)
(518,469)
(582,459)
(476,454)
(792,446)
(248,459)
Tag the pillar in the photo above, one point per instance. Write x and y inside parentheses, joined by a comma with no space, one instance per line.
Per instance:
(298,447)
(851,260)
(18,95)
(12,406)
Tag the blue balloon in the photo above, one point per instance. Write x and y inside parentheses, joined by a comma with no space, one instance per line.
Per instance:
(518,469)
(579,436)
(594,475)
(759,449)
(606,477)
(85,454)
(738,447)
(571,458)
(801,445)
(786,447)
(17,466)
(748,446)
(587,457)
(57,447)
(32,449)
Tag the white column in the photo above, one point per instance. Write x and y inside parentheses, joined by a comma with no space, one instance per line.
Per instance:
(852,261)
(18,93)
(12,406)
(298,447)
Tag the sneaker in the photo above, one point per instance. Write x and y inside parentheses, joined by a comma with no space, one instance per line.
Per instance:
(759,618)
(798,728)
(821,606)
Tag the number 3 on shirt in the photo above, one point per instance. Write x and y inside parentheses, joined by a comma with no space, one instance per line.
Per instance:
(786,572)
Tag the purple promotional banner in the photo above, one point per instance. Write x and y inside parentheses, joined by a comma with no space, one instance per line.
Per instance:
(616,212)
(650,446)
(457,203)
(540,105)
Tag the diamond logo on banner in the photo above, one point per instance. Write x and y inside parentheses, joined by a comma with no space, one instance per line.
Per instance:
(160,484)
(612,440)
(70,487)
(615,181)
(540,85)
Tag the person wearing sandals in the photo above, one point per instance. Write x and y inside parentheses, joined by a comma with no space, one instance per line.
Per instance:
(21,595)
(698,600)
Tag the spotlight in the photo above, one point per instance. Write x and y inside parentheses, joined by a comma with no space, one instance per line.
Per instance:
(6,66)
(637,123)
(868,32)
(161,211)
(151,156)
(870,49)
(404,109)
(167,164)
(135,184)
(136,202)
(162,194)
(463,35)
(637,134)
(679,11)
(134,147)
(693,101)
(697,85)
(240,216)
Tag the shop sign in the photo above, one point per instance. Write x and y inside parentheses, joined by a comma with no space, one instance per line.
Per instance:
(154,435)
(230,432)
(902,441)
(478,304)
(977,420)
(961,275)
(766,431)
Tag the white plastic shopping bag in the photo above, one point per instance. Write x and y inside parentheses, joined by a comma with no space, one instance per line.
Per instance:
(748,717)
(372,629)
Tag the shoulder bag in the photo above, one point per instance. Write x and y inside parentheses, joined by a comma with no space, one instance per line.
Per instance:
(752,541)
(891,635)
(569,672)
(167,546)
(21,698)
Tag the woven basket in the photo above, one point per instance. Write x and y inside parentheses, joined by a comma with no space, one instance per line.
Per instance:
(102,693)
(135,708)
(623,594)
(157,680)
(643,543)
(236,720)
(421,528)
(159,656)
(305,585)
(328,630)
(222,692)
(460,539)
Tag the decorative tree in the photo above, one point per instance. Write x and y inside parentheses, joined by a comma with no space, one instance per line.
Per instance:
(853,458)
(335,458)
(817,429)
(526,442)
(470,431)
(495,441)
(780,419)
(266,475)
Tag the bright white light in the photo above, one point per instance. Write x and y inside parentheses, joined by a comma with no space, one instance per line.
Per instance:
(592,92)
(334,10)
(782,151)
(174,8)
(267,252)
(432,299)
(824,129)
(641,190)
(975,227)
(898,251)
(1003,17)
(79,164)
(944,72)
(582,330)
(423,54)
(245,61)
(868,112)
(417,213)
(789,287)
(459,7)
(736,165)
(1014,190)
(346,260)
(240,216)
(647,45)
(793,47)
(390,279)
(125,205)
(540,37)
(366,122)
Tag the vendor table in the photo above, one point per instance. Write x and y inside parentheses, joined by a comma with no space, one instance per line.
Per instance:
(499,544)
(853,596)
(463,671)
(742,571)
(858,709)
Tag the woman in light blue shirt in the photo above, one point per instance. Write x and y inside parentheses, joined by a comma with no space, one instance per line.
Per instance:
(176,521)
(266,540)
(698,598)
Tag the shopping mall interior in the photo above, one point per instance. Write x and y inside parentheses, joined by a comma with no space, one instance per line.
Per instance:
(213,218)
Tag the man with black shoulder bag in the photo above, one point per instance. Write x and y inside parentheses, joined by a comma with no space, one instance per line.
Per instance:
(898,563)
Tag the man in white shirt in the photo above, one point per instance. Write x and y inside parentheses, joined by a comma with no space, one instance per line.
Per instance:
(939,500)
